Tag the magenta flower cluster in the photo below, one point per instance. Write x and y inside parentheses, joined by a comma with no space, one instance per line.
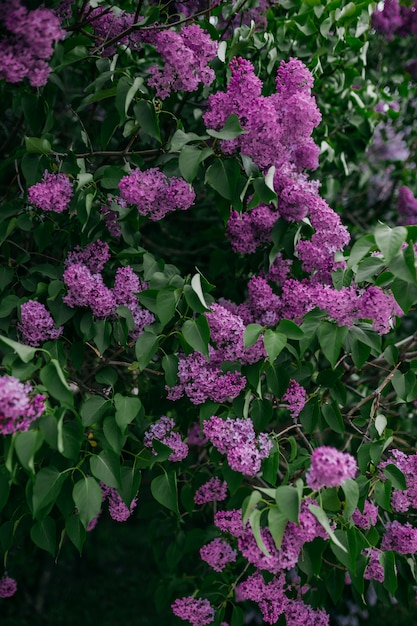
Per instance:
(296,397)
(28,43)
(19,407)
(163,431)
(402,500)
(8,586)
(198,611)
(237,439)
(54,193)
(109,25)
(407,206)
(374,569)
(118,510)
(401,538)
(367,518)
(186,55)
(37,324)
(218,553)
(154,194)
(86,287)
(201,380)
(213,490)
(395,19)
(330,467)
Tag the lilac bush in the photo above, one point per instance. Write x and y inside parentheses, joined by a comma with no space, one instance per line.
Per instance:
(203,328)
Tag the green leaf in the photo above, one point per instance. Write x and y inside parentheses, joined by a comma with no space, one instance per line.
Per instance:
(321,517)
(274,343)
(196,333)
(255,523)
(396,476)
(250,505)
(43,534)
(131,479)
(106,467)
(360,249)
(290,329)
(4,490)
(75,531)
(145,348)
(351,491)
(127,408)
(405,293)
(36,145)
(333,417)
(403,265)
(251,334)
(102,335)
(166,302)
(230,130)
(331,339)
(25,353)
(387,560)
(277,523)
(87,497)
(197,288)
(26,445)
(369,268)
(389,240)
(223,175)
(170,367)
(112,434)
(146,117)
(288,501)
(53,378)
(188,162)
(46,489)
(164,490)
(93,409)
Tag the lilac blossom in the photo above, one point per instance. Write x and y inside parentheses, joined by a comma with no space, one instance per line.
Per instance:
(94,256)
(87,289)
(402,500)
(110,218)
(109,24)
(197,611)
(297,613)
(162,430)
(230,522)
(28,42)
(296,398)
(401,538)
(201,380)
(407,206)
(330,467)
(53,193)
(118,510)
(237,439)
(366,519)
(270,596)
(37,324)
(154,194)
(8,586)
(218,553)
(248,231)
(19,407)
(213,490)
(186,55)
(195,435)
(374,569)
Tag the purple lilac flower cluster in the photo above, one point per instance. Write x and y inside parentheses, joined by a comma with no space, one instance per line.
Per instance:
(213,490)
(201,380)
(218,553)
(186,55)
(295,536)
(278,127)
(198,611)
(407,206)
(402,500)
(118,510)
(19,407)
(28,43)
(237,439)
(86,287)
(154,194)
(37,324)
(374,569)
(54,193)
(395,19)
(163,430)
(401,538)
(110,218)
(247,231)
(367,518)
(8,586)
(296,398)
(230,522)
(330,467)
(110,24)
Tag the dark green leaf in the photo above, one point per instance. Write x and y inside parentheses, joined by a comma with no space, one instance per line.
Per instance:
(87,497)
(196,333)
(106,467)
(164,490)
(43,534)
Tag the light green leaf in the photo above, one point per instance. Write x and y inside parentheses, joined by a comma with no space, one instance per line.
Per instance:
(87,497)
(274,343)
